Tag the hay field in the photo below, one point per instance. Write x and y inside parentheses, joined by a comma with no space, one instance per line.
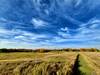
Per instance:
(50,63)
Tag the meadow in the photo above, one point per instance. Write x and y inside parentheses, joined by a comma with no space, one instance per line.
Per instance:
(50,63)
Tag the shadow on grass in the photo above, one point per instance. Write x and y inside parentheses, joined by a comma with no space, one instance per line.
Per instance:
(75,70)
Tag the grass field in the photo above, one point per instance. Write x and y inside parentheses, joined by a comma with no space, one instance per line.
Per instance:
(50,63)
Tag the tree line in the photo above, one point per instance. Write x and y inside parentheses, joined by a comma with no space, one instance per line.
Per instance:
(49,50)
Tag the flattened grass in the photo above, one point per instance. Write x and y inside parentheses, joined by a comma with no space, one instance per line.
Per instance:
(31,63)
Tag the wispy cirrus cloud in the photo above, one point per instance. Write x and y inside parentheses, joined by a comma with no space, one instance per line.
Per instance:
(64,29)
(50,23)
(18,34)
(87,32)
(11,39)
(38,23)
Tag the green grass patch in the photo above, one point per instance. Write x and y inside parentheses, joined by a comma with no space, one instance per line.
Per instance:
(84,67)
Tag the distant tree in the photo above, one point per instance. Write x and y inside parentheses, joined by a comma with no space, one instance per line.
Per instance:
(82,49)
(41,50)
(93,49)
(3,50)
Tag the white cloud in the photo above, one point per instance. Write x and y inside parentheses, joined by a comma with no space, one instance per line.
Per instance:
(4,43)
(2,19)
(78,3)
(20,39)
(32,37)
(95,21)
(87,32)
(95,26)
(7,33)
(92,22)
(65,29)
(38,23)
(84,34)
(21,35)
(64,34)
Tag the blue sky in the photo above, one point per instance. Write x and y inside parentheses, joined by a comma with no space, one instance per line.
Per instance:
(49,23)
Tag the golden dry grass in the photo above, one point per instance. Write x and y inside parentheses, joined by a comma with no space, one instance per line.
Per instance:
(51,63)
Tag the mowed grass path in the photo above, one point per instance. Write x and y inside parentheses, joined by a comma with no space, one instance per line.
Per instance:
(93,61)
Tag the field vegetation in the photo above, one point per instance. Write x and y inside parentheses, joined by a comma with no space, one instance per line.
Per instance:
(50,62)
